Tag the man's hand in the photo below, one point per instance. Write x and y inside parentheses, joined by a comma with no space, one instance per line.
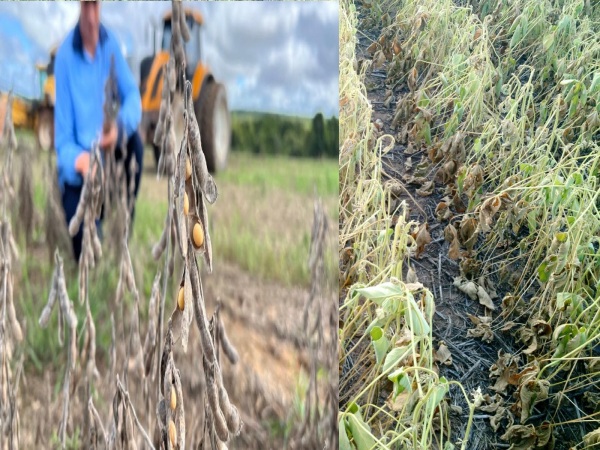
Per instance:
(109,138)
(82,163)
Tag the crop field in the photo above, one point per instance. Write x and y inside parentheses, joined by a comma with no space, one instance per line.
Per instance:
(206,321)
(260,275)
(469,225)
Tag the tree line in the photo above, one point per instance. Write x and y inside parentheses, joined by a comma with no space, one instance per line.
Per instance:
(273,134)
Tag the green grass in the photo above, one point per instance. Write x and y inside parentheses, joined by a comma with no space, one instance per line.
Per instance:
(301,176)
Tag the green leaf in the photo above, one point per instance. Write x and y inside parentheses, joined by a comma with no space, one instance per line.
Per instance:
(573,106)
(380,343)
(532,220)
(394,356)
(595,84)
(401,382)
(361,432)
(344,442)
(415,320)
(561,236)
(548,41)
(517,36)
(426,131)
(391,306)
(543,272)
(438,393)
(526,168)
(380,292)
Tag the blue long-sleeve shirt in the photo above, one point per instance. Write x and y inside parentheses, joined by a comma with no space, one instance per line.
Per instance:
(78,111)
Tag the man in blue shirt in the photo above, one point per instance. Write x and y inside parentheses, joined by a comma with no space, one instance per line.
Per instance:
(82,67)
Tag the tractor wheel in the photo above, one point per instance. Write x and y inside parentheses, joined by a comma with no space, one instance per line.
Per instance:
(45,129)
(215,126)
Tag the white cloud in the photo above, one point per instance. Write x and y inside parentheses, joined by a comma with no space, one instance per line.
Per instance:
(272,56)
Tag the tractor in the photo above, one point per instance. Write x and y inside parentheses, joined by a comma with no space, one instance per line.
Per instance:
(209,96)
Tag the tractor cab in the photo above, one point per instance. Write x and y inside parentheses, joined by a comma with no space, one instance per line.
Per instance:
(192,47)
(209,96)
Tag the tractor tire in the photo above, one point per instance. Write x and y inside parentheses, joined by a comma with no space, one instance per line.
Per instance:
(45,129)
(215,126)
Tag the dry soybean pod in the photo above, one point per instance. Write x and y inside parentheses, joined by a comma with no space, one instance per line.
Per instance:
(206,183)
(226,344)
(179,195)
(45,316)
(212,394)
(166,387)
(180,412)
(160,246)
(176,40)
(165,106)
(230,412)
(76,220)
(185,31)
(207,244)
(199,312)
(12,315)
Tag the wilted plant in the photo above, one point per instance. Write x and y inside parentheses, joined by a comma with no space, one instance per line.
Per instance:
(10,328)
(504,103)
(384,330)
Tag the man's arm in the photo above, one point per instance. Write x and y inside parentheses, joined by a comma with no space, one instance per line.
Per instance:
(130,113)
(67,148)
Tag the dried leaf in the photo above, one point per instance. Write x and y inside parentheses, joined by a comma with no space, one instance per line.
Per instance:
(445,174)
(485,299)
(592,438)
(422,238)
(373,47)
(468,287)
(488,210)
(532,391)
(473,180)
(411,276)
(459,204)
(508,326)
(467,232)
(410,149)
(443,355)
(505,369)
(492,403)
(521,437)
(427,189)
(399,403)
(378,60)
(541,328)
(501,414)
(412,79)
(482,328)
(469,268)
(442,211)
(545,436)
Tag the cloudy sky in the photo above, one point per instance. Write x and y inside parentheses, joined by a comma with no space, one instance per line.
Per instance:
(272,56)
